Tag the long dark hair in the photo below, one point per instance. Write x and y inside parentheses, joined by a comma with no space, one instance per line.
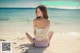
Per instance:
(43,10)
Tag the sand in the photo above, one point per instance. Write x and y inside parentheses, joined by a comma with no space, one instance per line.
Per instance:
(60,43)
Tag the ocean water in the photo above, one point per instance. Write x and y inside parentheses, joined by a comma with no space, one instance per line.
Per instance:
(16,15)
(59,17)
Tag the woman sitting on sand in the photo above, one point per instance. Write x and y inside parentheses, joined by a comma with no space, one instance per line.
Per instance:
(41,28)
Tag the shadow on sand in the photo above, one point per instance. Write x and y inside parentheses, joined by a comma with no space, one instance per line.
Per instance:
(31,49)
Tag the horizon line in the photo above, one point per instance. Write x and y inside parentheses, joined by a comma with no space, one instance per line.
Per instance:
(47,7)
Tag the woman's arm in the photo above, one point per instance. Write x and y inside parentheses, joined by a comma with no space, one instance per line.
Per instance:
(34,27)
(49,24)
(34,31)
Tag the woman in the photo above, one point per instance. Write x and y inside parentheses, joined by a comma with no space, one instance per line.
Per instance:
(41,28)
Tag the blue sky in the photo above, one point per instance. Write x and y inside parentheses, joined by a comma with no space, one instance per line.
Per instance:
(26,3)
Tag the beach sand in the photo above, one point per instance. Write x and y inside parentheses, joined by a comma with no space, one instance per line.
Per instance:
(64,40)
(60,43)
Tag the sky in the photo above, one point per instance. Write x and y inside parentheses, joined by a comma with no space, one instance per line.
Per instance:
(34,3)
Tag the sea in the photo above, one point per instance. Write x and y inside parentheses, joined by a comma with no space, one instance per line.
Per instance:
(64,18)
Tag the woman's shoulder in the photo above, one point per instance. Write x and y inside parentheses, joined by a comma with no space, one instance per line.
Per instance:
(35,20)
(41,21)
(46,20)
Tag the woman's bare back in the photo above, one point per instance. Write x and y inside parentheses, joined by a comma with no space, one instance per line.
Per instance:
(41,23)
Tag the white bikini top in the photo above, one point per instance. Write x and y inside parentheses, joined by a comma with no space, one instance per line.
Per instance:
(41,34)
